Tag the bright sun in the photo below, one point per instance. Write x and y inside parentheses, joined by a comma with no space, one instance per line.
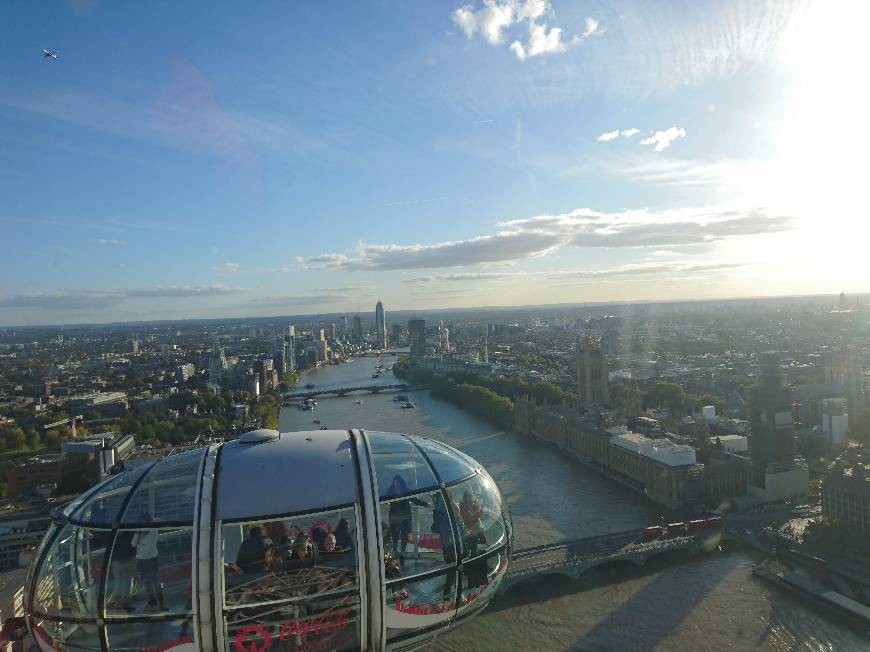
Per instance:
(819,170)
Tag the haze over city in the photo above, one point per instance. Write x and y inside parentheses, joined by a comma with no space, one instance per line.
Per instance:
(285,159)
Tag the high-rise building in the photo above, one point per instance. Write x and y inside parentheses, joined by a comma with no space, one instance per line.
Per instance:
(846,490)
(332,331)
(772,442)
(417,339)
(357,328)
(279,355)
(290,341)
(217,362)
(445,339)
(135,345)
(395,333)
(344,328)
(381,325)
(592,373)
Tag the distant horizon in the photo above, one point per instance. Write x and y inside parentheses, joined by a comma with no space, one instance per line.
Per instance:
(415,311)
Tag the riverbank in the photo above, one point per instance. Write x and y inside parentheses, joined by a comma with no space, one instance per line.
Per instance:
(478,399)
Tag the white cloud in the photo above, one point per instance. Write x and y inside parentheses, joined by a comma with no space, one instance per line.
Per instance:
(541,41)
(593,27)
(228,267)
(663,139)
(95,299)
(495,17)
(114,243)
(645,269)
(609,135)
(616,133)
(542,235)
(490,20)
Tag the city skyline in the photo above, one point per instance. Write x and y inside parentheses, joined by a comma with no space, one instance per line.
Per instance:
(480,154)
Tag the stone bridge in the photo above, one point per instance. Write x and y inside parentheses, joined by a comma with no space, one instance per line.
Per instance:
(573,558)
(344,391)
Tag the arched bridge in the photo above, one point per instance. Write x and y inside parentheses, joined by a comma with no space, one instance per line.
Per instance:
(572,558)
(344,391)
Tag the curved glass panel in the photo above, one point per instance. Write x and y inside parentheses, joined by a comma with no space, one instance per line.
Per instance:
(104,506)
(161,635)
(168,492)
(67,636)
(400,467)
(481,519)
(450,464)
(319,624)
(418,536)
(289,558)
(413,605)
(150,572)
(480,579)
(68,579)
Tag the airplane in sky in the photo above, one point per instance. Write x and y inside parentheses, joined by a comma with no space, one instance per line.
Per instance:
(48,54)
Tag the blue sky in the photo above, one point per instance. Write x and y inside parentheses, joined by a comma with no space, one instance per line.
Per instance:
(287,158)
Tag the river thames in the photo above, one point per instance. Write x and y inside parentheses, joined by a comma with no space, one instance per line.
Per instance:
(707,602)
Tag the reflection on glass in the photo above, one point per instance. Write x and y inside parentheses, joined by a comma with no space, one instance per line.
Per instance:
(417,604)
(417,535)
(67,636)
(400,467)
(168,492)
(68,579)
(328,624)
(480,579)
(160,635)
(150,571)
(289,558)
(481,522)
(450,464)
(105,505)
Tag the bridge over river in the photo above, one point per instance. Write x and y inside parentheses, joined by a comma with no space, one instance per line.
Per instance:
(572,558)
(344,391)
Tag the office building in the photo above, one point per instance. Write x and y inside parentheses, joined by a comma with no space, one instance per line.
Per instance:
(185,372)
(217,362)
(380,325)
(395,333)
(357,329)
(445,339)
(417,340)
(835,421)
(846,490)
(106,404)
(591,373)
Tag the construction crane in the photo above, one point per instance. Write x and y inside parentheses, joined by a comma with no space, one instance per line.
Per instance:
(71,422)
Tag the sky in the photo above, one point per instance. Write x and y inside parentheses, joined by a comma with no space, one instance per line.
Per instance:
(275,158)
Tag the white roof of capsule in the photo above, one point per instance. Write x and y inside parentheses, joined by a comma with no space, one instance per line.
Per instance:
(295,472)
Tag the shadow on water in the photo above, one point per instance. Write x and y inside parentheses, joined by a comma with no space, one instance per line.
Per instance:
(550,587)
(682,598)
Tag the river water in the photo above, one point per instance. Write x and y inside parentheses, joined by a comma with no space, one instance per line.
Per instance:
(708,602)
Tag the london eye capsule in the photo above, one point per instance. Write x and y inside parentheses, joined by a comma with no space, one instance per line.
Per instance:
(323,540)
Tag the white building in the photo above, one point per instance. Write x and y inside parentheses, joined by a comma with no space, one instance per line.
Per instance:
(660,450)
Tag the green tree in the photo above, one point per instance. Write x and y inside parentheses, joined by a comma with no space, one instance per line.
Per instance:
(14,438)
(32,438)
(710,399)
(665,394)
